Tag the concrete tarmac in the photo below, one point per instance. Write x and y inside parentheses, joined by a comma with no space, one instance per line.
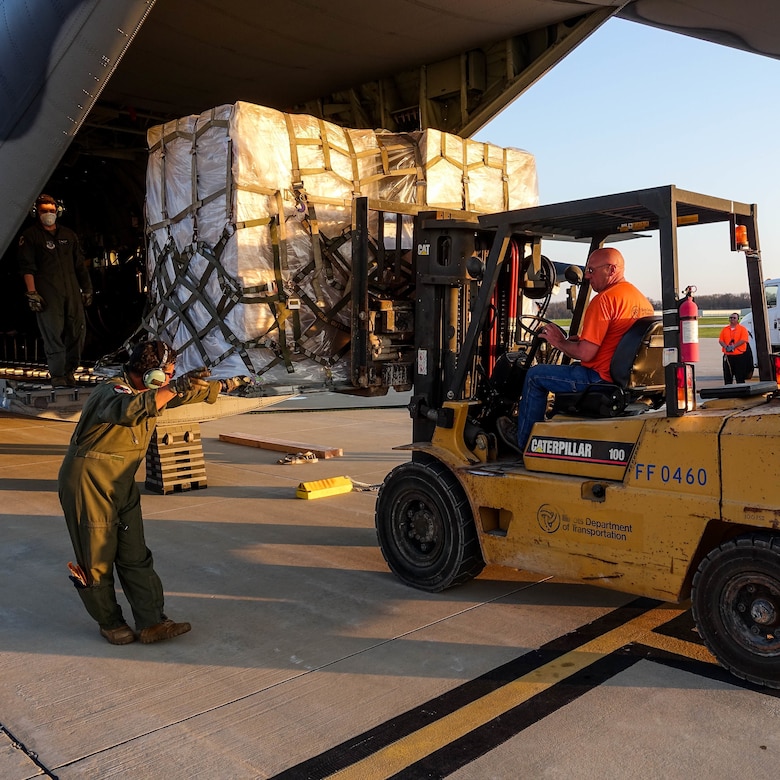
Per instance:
(309,659)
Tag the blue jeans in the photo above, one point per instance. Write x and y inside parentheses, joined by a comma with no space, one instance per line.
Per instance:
(541,380)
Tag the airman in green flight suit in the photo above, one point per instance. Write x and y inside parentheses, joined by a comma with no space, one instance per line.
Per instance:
(100,497)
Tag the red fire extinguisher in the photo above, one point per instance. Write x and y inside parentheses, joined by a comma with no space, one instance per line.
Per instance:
(689,327)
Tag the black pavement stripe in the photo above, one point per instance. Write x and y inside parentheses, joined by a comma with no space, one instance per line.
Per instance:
(695,666)
(681,627)
(365,745)
(482,740)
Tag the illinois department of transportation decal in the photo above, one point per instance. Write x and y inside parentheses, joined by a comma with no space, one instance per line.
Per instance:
(551,520)
(609,453)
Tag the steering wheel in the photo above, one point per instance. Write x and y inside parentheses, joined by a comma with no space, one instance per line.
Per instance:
(527,327)
(539,350)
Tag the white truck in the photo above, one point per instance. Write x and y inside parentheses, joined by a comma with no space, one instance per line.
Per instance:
(771,287)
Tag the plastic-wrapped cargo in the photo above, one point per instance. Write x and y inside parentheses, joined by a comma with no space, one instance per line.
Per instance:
(249,213)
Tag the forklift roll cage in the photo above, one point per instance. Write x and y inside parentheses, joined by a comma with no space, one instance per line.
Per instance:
(664,209)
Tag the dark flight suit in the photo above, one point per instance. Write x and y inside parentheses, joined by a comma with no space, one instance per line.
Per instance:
(102,503)
(56,261)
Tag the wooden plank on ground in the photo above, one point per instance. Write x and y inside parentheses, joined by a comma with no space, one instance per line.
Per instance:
(280,445)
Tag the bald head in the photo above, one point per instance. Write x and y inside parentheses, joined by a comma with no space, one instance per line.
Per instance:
(608,255)
(606,267)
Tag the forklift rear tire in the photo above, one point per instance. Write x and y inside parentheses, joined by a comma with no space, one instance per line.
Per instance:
(425,527)
(736,607)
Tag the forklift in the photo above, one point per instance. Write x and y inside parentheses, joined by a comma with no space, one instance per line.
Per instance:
(642,485)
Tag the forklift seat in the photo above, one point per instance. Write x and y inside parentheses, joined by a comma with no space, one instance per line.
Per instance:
(637,372)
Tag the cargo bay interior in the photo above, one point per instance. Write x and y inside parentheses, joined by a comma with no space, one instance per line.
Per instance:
(332,61)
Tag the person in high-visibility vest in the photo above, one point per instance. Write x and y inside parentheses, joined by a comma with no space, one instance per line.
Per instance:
(734,342)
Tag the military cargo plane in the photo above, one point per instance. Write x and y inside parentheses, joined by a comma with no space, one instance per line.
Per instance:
(83,80)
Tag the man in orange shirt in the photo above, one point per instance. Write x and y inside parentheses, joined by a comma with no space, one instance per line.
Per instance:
(609,315)
(737,357)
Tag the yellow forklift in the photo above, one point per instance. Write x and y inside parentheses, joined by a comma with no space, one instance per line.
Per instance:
(642,486)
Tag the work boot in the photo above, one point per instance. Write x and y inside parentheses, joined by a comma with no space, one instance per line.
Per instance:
(165,630)
(60,381)
(122,635)
(70,378)
(507,432)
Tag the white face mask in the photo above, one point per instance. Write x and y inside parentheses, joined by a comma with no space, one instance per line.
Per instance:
(48,218)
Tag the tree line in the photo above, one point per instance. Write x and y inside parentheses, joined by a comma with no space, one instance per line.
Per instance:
(735,302)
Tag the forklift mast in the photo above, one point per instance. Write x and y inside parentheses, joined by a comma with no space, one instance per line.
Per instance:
(480,297)
(442,252)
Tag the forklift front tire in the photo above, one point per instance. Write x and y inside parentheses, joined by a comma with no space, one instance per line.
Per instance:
(425,527)
(736,607)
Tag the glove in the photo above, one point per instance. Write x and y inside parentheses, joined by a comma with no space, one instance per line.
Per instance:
(729,347)
(234,382)
(86,298)
(192,380)
(35,301)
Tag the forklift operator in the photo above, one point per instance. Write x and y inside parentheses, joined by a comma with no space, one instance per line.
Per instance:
(609,315)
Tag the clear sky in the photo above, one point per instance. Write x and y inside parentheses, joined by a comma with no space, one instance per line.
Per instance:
(635,107)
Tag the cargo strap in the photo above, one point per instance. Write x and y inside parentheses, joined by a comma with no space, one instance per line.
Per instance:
(196,203)
(173,274)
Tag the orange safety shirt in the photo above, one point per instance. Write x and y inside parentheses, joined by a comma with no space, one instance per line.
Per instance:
(608,316)
(731,335)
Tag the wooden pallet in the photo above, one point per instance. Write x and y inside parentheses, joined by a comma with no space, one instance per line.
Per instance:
(174,460)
